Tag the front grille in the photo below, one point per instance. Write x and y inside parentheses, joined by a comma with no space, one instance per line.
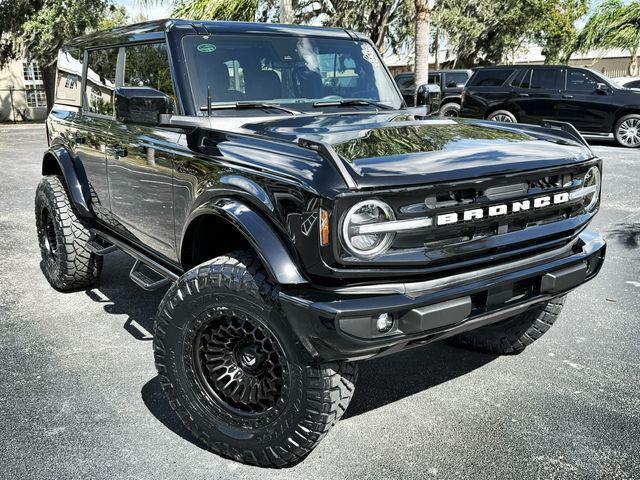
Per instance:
(521,232)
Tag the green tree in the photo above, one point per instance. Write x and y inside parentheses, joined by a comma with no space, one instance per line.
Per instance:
(555,29)
(614,24)
(37,29)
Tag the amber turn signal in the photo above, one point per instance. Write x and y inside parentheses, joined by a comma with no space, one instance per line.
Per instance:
(324,227)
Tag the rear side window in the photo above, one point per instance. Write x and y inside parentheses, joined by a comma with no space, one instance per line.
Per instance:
(69,78)
(457,79)
(490,77)
(434,79)
(101,80)
(546,79)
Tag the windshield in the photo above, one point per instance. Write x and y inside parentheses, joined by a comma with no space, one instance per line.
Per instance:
(285,70)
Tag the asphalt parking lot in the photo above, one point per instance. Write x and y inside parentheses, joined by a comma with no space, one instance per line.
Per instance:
(79,397)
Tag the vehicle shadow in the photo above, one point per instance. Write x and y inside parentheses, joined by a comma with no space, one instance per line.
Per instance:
(121,296)
(381,381)
(627,234)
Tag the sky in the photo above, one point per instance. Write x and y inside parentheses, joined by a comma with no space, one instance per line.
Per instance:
(151,12)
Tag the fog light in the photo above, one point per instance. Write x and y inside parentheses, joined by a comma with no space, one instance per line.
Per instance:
(384,322)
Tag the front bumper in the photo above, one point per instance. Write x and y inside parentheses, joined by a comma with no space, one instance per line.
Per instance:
(339,324)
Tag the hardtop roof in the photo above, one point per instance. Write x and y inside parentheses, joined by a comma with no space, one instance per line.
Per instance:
(157,29)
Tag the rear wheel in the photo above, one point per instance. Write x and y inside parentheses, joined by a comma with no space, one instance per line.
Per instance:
(235,373)
(502,116)
(450,110)
(512,336)
(627,131)
(63,238)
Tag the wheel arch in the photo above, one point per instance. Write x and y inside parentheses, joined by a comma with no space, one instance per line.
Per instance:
(502,106)
(621,113)
(239,226)
(58,161)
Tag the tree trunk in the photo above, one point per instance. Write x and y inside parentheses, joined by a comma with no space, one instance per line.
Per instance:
(286,11)
(436,49)
(49,83)
(421,56)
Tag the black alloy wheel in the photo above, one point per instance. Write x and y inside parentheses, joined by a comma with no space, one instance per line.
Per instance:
(240,363)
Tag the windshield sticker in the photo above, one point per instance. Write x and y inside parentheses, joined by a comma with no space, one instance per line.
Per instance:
(369,54)
(206,47)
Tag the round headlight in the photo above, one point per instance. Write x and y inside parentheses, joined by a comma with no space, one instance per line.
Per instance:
(591,187)
(359,228)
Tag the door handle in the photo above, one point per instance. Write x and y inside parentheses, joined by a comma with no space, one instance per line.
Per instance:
(567,96)
(119,151)
(523,94)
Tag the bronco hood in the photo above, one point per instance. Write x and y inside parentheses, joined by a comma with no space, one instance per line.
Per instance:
(395,149)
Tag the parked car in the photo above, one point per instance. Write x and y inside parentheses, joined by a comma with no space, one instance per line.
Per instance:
(628,82)
(451,83)
(301,217)
(592,103)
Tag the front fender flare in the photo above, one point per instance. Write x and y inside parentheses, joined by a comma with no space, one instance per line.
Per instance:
(74,178)
(275,256)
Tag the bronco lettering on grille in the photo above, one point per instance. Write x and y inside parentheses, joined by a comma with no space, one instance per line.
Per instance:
(502,209)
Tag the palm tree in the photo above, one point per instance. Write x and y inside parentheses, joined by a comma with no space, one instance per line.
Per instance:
(615,24)
(421,55)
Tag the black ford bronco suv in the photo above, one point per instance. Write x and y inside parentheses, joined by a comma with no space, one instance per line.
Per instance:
(303,217)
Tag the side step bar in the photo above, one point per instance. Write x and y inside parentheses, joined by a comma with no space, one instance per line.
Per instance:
(146,272)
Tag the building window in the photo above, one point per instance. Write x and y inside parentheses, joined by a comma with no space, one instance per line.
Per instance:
(31,71)
(71,82)
(36,97)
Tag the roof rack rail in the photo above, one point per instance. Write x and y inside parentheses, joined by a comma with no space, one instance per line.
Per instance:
(328,153)
(565,127)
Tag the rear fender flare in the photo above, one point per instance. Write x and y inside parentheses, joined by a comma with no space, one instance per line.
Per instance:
(260,234)
(74,177)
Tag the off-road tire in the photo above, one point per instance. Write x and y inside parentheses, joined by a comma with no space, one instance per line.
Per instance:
(449,109)
(316,396)
(512,336)
(502,116)
(627,122)
(67,265)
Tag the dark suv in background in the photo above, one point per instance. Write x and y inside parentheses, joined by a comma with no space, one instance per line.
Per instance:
(592,103)
(451,83)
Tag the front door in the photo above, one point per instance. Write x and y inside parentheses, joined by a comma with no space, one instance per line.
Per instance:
(140,159)
(583,105)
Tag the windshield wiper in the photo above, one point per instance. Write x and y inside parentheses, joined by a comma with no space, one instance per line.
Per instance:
(350,102)
(241,105)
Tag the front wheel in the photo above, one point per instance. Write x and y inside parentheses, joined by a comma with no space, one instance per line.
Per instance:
(234,372)
(627,131)
(449,110)
(502,116)
(512,336)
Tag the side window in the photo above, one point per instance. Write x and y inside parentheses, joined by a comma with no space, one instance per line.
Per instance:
(581,81)
(544,79)
(68,78)
(457,79)
(101,80)
(517,79)
(491,77)
(405,81)
(434,79)
(526,80)
(148,66)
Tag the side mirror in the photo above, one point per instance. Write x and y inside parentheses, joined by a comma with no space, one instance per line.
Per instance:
(602,88)
(141,105)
